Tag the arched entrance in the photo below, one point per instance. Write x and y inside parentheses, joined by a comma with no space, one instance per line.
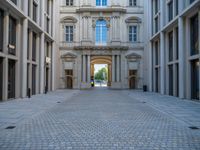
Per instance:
(102,60)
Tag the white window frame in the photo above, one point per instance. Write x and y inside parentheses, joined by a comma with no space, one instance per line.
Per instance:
(101,42)
(101,3)
(133,33)
(134,3)
(69,37)
(71,2)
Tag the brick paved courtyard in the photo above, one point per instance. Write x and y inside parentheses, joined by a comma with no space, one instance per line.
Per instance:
(100,119)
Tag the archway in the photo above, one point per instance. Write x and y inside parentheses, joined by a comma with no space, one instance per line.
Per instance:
(107,60)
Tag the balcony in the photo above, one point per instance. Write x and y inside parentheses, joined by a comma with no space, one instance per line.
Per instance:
(109,46)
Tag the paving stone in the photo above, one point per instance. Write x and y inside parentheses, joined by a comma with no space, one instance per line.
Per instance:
(100,119)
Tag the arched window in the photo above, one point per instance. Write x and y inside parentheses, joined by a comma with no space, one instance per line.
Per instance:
(101,32)
(101,2)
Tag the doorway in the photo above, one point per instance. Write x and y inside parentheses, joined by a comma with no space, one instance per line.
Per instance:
(69,78)
(11,79)
(132,79)
(100,75)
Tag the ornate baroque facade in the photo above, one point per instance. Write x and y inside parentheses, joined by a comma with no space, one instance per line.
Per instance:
(102,32)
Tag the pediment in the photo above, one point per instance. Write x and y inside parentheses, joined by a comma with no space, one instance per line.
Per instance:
(69,19)
(133,19)
(133,56)
(69,55)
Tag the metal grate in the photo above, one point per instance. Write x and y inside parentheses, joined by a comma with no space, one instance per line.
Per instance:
(194,128)
(10,127)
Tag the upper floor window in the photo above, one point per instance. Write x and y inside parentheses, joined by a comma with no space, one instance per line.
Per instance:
(35,11)
(191,1)
(69,2)
(194,35)
(170,46)
(34,47)
(14,1)
(170,10)
(12,35)
(156,5)
(133,33)
(101,32)
(101,2)
(1,30)
(69,31)
(47,6)
(132,2)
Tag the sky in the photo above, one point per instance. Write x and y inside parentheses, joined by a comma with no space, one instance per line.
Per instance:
(98,67)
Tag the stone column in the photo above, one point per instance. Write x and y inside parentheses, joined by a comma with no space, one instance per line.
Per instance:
(24,57)
(162,63)
(113,68)
(181,57)
(42,63)
(118,69)
(109,75)
(50,14)
(150,67)
(84,69)
(88,70)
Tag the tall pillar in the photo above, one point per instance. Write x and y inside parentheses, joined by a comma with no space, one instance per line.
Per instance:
(109,75)
(88,69)
(113,68)
(162,63)
(181,57)
(118,69)
(24,57)
(84,69)
(5,62)
(42,64)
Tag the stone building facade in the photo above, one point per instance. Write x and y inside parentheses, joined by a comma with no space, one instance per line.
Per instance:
(101,32)
(174,46)
(27,47)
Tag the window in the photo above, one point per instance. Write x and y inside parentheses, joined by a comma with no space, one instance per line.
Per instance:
(34,46)
(101,32)
(194,37)
(156,53)
(101,2)
(171,80)
(156,24)
(156,6)
(14,1)
(47,25)
(34,11)
(177,7)
(195,79)
(132,2)
(69,33)
(28,43)
(34,79)
(191,1)
(11,78)
(132,33)
(177,46)
(47,6)
(12,36)
(170,10)
(1,30)
(170,37)
(69,2)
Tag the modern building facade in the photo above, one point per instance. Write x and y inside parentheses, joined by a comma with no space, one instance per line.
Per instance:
(174,47)
(27,47)
(102,32)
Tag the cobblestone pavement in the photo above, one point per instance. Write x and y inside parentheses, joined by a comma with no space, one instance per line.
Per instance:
(100,119)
